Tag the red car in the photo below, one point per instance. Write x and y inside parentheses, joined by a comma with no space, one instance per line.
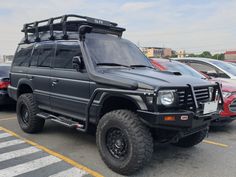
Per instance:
(228,89)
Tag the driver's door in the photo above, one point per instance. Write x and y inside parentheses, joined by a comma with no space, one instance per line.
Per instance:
(70,88)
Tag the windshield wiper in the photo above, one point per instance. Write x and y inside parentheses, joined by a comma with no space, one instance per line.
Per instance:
(111,64)
(142,66)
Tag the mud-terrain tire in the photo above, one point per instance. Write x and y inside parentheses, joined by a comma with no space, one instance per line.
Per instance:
(192,140)
(124,142)
(26,114)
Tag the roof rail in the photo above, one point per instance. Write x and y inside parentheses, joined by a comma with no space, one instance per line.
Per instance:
(40,26)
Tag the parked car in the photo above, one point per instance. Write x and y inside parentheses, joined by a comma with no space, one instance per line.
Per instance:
(212,68)
(4,82)
(232,62)
(228,114)
(82,72)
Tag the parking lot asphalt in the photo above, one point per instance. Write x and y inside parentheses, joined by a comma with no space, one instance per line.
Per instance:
(76,151)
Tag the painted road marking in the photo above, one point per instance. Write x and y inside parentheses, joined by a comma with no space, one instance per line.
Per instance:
(10,143)
(4,135)
(10,118)
(72,172)
(215,143)
(28,166)
(18,153)
(24,167)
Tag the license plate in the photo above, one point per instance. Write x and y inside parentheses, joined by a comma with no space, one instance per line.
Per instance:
(210,107)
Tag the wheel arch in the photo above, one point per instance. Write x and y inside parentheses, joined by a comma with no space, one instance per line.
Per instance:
(24,86)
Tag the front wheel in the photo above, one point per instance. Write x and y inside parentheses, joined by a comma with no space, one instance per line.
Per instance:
(124,142)
(192,140)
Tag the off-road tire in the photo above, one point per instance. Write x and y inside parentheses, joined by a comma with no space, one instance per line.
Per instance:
(140,141)
(192,140)
(34,124)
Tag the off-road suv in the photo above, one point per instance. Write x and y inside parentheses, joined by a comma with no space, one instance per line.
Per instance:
(79,72)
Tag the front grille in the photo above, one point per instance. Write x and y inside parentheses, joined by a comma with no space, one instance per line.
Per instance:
(232,107)
(202,96)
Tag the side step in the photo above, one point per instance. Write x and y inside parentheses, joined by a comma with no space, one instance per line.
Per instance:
(63,121)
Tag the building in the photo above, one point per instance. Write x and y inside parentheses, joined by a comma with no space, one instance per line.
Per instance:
(230,55)
(181,54)
(7,58)
(157,52)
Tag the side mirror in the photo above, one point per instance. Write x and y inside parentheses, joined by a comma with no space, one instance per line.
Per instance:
(77,63)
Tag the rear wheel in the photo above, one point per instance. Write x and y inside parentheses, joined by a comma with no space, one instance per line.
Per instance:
(192,140)
(124,142)
(26,114)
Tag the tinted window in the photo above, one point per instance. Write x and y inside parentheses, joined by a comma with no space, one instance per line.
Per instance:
(65,53)
(43,55)
(4,71)
(22,56)
(225,66)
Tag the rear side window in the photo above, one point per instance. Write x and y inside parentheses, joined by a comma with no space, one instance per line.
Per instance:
(43,55)
(23,54)
(65,53)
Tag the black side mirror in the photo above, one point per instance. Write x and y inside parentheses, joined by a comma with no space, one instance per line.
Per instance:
(77,63)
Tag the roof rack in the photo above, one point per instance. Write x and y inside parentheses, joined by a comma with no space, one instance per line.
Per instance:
(66,25)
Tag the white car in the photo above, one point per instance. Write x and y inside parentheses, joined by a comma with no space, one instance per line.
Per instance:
(213,68)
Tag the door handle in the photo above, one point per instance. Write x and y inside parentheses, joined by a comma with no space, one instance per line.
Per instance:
(54,82)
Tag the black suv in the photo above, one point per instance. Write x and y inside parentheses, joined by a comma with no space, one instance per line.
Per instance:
(79,72)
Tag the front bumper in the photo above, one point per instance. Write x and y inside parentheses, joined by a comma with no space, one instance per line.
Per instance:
(222,121)
(184,120)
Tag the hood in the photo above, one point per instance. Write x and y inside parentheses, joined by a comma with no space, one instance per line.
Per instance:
(149,79)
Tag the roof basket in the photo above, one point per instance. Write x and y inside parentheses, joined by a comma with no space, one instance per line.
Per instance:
(66,25)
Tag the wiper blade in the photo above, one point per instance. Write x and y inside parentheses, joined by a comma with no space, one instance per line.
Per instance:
(142,66)
(111,64)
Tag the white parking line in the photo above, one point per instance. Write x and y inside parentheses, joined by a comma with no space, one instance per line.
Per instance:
(10,143)
(18,153)
(72,172)
(4,135)
(28,166)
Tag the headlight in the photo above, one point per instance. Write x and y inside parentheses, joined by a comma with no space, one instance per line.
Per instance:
(166,97)
(226,94)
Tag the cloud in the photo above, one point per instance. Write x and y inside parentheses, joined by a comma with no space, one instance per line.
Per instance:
(191,25)
(136,6)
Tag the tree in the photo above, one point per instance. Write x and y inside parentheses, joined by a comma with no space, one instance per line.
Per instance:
(218,56)
(205,54)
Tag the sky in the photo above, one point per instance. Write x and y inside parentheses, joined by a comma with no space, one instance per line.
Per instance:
(192,25)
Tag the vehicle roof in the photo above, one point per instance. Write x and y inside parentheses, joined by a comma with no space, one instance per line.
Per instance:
(196,58)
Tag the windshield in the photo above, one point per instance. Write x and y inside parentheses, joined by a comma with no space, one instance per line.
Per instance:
(234,64)
(225,66)
(4,71)
(114,51)
(182,68)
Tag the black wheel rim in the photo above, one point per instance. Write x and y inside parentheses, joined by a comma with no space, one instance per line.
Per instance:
(24,114)
(117,143)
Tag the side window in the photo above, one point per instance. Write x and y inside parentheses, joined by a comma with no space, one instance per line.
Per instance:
(204,68)
(65,53)
(43,55)
(23,54)
(208,70)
